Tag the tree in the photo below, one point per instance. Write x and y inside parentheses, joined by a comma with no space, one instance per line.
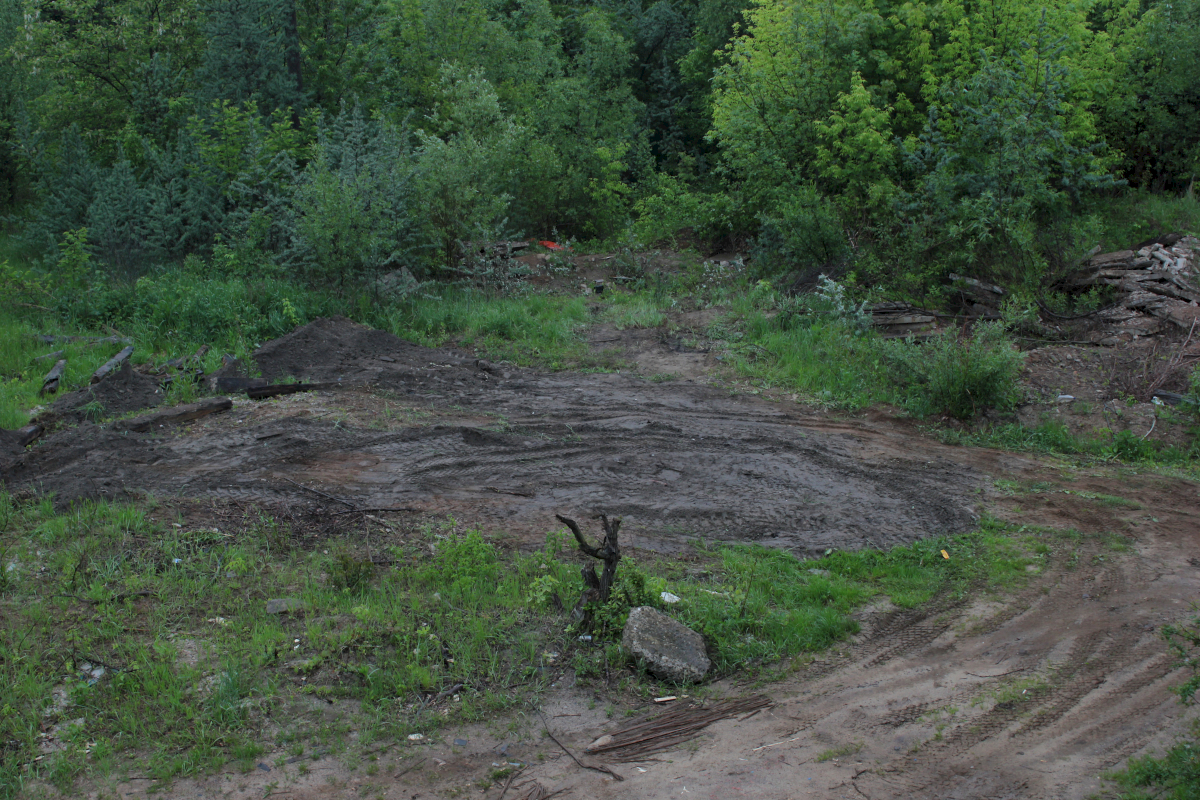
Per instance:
(252,55)
(90,56)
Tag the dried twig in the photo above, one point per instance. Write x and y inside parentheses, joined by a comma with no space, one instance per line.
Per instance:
(595,768)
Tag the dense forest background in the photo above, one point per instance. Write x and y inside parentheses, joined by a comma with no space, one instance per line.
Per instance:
(334,142)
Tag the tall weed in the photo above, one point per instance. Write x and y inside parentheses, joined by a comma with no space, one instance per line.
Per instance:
(957,376)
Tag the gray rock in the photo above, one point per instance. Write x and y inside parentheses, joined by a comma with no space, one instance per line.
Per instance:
(283,605)
(671,650)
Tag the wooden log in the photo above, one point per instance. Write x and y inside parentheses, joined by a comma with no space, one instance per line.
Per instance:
(883,320)
(984,293)
(170,416)
(178,363)
(55,354)
(114,362)
(275,390)
(29,434)
(50,382)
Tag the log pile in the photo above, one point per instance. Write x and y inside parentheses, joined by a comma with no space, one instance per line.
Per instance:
(1158,289)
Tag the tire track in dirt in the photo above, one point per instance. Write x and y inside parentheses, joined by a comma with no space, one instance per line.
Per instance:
(924,703)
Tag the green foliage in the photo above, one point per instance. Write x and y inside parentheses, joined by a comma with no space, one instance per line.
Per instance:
(252,55)
(959,377)
(855,154)
(353,204)
(1154,120)
(998,156)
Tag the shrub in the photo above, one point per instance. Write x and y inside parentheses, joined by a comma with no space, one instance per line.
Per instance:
(959,377)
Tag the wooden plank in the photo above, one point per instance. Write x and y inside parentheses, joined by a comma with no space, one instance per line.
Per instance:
(50,382)
(1121,256)
(114,362)
(171,416)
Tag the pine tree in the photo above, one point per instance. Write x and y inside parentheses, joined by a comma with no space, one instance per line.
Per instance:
(253,55)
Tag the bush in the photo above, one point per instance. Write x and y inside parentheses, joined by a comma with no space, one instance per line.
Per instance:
(956,376)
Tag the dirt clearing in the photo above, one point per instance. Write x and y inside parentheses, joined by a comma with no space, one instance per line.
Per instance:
(506,449)
(1030,693)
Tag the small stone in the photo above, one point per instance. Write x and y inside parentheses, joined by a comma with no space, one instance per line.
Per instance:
(264,767)
(667,597)
(283,605)
(460,742)
(671,650)
(416,737)
(1066,398)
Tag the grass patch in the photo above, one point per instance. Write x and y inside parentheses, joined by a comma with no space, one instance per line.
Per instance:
(193,669)
(1055,438)
(527,330)
(842,751)
(760,605)
(633,311)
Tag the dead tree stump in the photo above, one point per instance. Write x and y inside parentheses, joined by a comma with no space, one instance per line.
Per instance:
(596,589)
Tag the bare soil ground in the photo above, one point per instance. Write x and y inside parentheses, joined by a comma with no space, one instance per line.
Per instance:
(508,449)
(1032,693)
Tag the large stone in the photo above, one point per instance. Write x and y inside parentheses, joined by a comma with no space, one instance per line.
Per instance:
(671,650)
(284,605)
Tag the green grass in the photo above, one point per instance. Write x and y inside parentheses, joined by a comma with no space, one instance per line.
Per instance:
(1055,438)
(21,374)
(127,587)
(528,330)
(823,362)
(633,311)
(833,754)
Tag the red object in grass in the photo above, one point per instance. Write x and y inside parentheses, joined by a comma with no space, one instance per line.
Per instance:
(551,246)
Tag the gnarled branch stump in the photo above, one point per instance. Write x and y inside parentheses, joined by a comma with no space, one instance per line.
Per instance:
(597,588)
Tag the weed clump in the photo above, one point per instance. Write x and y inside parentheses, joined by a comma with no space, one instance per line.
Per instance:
(959,377)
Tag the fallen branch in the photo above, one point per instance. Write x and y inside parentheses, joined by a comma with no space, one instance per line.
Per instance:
(595,768)
(55,354)
(52,338)
(667,730)
(114,362)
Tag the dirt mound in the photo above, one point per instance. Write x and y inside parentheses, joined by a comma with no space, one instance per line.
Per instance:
(122,392)
(338,349)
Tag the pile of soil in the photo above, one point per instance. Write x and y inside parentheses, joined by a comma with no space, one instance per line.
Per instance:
(122,392)
(338,349)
